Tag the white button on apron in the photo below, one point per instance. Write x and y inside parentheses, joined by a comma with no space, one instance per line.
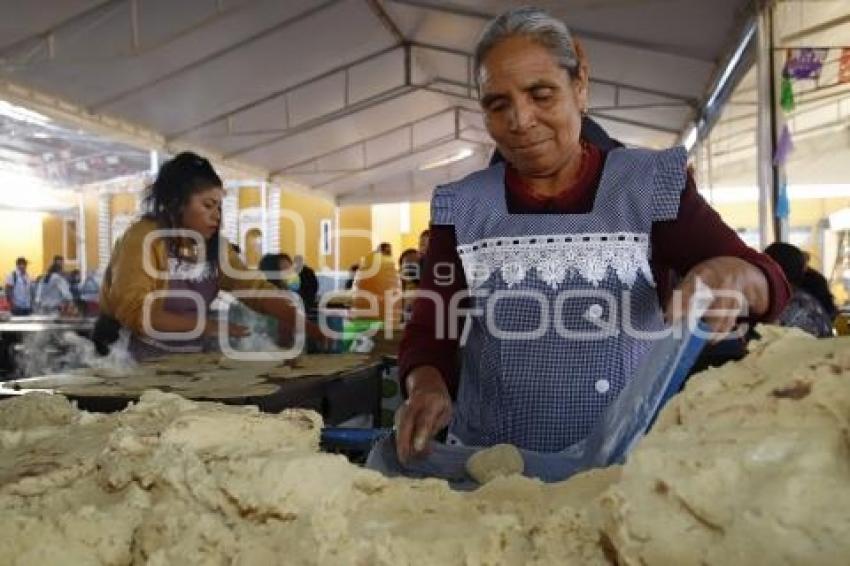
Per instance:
(594,311)
(602,386)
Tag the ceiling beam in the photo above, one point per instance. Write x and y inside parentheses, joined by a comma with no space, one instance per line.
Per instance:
(651,106)
(118,97)
(821,27)
(280,93)
(45,33)
(386,21)
(115,129)
(636,123)
(409,153)
(319,121)
(217,14)
(287,169)
(631,43)
(689,100)
(349,109)
(455,135)
(457,84)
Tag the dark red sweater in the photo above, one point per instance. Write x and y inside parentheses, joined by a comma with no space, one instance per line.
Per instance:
(697,234)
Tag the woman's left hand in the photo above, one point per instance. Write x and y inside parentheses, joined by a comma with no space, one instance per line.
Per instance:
(740,289)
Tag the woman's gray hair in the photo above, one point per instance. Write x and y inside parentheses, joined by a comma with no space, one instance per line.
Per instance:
(536,24)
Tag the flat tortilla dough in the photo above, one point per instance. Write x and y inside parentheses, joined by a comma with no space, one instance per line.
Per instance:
(199,376)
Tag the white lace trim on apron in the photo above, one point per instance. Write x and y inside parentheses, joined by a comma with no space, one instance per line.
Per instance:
(555,258)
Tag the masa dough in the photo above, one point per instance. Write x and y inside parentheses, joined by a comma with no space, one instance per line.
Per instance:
(172,481)
(749,465)
(40,410)
(495,461)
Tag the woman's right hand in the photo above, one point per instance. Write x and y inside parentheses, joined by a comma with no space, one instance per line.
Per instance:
(323,342)
(426,412)
(212,329)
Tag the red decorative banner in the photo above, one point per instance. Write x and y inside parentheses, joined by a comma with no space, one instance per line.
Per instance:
(844,66)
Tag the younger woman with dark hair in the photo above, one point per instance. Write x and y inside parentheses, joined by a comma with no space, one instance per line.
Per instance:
(169,266)
(53,293)
(269,266)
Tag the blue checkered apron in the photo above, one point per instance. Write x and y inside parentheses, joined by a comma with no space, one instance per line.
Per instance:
(545,350)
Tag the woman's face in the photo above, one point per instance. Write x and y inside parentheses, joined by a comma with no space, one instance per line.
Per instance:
(409,258)
(203,212)
(532,108)
(285,265)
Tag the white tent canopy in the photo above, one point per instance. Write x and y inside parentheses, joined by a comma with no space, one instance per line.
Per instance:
(355,98)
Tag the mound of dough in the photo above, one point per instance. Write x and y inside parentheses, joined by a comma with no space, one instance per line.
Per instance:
(172,481)
(37,409)
(749,465)
(495,461)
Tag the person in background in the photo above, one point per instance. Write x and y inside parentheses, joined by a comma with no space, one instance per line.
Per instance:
(146,268)
(75,280)
(409,269)
(423,242)
(377,287)
(309,289)
(352,275)
(53,293)
(803,311)
(90,294)
(58,265)
(291,279)
(815,284)
(19,289)
(270,267)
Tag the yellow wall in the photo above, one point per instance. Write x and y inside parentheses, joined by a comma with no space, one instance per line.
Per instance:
(420,217)
(90,206)
(122,203)
(52,240)
(806,212)
(21,235)
(352,246)
(387,226)
(311,210)
(250,197)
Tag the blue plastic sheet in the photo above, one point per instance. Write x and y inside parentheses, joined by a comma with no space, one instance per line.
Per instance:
(622,425)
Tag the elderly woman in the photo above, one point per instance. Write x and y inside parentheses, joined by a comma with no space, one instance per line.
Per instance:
(566,251)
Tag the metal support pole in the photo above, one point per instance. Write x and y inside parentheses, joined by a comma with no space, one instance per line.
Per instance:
(81,236)
(153,167)
(765,126)
(781,226)
(709,176)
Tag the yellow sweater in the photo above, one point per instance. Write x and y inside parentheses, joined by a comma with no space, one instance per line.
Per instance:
(126,282)
(377,279)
